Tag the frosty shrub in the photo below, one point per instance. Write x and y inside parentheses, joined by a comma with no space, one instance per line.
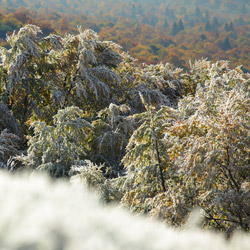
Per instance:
(37,213)
(160,84)
(112,129)
(9,147)
(8,121)
(55,148)
(98,178)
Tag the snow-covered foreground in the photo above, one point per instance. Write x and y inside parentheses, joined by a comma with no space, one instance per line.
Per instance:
(36,213)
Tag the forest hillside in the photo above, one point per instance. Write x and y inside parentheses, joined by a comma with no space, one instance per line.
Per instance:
(154,138)
(152,31)
(159,138)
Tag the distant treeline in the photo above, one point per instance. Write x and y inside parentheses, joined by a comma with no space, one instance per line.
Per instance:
(152,31)
(134,8)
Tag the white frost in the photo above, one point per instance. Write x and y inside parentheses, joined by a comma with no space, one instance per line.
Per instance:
(37,213)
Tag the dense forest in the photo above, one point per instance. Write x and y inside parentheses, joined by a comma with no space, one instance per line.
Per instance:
(161,137)
(152,31)
(154,138)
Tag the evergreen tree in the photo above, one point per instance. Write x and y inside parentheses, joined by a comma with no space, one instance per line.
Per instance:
(172,15)
(243,9)
(206,16)
(167,12)
(231,26)
(165,24)
(215,24)
(186,18)
(175,29)
(198,12)
(180,25)
(208,27)
(226,27)
(226,45)
(240,21)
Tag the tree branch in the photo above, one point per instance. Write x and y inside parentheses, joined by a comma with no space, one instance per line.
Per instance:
(223,220)
(231,178)
(159,163)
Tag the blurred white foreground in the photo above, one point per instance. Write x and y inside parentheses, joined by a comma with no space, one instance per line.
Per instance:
(38,214)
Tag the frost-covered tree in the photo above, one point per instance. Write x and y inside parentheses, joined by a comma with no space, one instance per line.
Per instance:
(22,87)
(42,74)
(201,71)
(204,153)
(209,146)
(112,130)
(160,84)
(152,137)
(57,147)
(146,160)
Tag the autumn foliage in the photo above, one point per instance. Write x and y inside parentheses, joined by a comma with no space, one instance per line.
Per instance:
(158,139)
(152,31)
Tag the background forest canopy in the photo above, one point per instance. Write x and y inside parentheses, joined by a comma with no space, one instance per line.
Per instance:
(160,138)
(152,31)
